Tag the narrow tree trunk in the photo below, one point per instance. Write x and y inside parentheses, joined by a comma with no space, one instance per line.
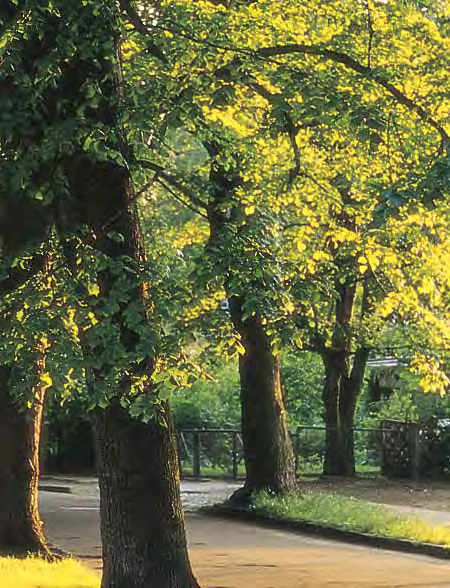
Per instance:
(268,453)
(20,429)
(340,395)
(351,388)
(336,461)
(20,426)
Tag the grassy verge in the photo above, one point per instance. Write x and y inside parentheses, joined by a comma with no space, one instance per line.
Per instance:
(351,514)
(34,572)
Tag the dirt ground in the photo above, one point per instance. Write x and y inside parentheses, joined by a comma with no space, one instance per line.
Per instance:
(431,495)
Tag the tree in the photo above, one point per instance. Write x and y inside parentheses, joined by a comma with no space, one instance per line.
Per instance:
(21,412)
(367,135)
(83,178)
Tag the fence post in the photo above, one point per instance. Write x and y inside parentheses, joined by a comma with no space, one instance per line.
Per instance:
(180,461)
(235,455)
(196,454)
(416,449)
(296,450)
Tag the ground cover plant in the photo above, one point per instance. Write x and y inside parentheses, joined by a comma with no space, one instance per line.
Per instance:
(32,572)
(351,514)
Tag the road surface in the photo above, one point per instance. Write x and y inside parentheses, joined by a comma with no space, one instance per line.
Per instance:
(228,554)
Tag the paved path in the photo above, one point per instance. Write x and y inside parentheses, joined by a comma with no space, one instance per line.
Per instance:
(228,554)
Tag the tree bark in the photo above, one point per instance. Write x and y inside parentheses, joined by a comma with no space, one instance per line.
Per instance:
(20,429)
(268,454)
(21,529)
(337,461)
(340,395)
(142,524)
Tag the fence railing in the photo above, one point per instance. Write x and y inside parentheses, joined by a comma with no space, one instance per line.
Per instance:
(396,449)
(209,452)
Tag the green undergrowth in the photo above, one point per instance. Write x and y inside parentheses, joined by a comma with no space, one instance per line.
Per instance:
(38,573)
(351,514)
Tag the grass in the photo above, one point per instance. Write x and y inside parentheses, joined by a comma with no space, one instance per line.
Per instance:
(351,514)
(37,573)
(214,471)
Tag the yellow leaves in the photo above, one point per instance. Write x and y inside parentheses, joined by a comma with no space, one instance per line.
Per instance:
(341,235)
(128,49)
(93,289)
(388,305)
(45,381)
(289,307)
(193,232)
(363,264)
(210,303)
(432,376)
(92,319)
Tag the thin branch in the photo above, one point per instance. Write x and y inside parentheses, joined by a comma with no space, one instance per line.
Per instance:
(371,33)
(173,181)
(366,72)
(179,199)
(141,27)
(290,127)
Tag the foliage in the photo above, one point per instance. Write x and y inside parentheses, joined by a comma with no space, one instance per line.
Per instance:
(24,573)
(302,377)
(351,514)
(211,403)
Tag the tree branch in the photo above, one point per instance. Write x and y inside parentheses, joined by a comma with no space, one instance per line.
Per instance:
(139,25)
(367,72)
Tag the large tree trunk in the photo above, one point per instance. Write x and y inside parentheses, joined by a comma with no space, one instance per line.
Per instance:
(142,524)
(268,454)
(144,543)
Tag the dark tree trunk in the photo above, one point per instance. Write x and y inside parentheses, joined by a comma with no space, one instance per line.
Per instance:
(142,524)
(268,453)
(20,428)
(340,395)
(337,461)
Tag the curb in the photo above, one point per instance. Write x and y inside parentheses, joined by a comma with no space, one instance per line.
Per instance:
(55,488)
(304,527)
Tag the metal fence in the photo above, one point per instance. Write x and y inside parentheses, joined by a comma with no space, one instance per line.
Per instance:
(395,450)
(218,452)
(210,452)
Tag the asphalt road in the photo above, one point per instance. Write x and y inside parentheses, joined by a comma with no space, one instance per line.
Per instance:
(228,554)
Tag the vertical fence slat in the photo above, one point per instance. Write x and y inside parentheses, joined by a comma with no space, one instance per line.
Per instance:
(196,466)
(235,454)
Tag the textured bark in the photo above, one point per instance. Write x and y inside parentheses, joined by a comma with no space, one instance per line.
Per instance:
(142,525)
(340,395)
(268,453)
(142,522)
(20,428)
